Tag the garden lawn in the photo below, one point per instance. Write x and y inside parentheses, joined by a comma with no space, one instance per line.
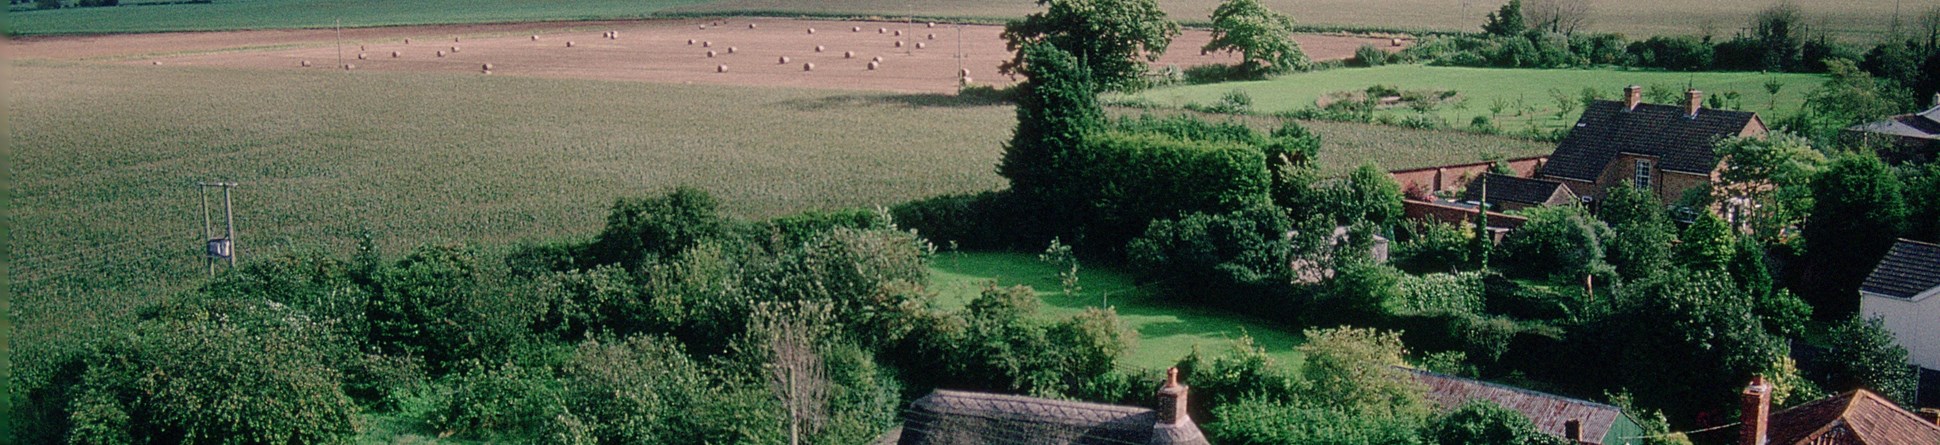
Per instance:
(1526,97)
(1166,332)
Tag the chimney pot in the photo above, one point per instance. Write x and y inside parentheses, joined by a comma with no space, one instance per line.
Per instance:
(1931,415)
(1172,400)
(1936,100)
(1632,95)
(1694,100)
(1757,408)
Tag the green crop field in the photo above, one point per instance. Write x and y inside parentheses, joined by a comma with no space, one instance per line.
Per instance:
(1525,97)
(1860,20)
(277,14)
(1166,332)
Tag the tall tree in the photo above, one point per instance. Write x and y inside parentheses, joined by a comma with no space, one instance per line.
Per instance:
(1708,244)
(1557,16)
(1263,37)
(1851,96)
(1056,108)
(1507,21)
(1642,245)
(1862,355)
(1780,32)
(1765,184)
(1857,212)
(1699,320)
(1922,192)
(1113,38)
(1561,242)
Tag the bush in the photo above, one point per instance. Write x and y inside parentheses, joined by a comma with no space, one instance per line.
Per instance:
(428,306)
(638,229)
(1561,242)
(1369,56)
(1438,293)
(1485,423)
(1676,53)
(647,390)
(507,400)
(1126,180)
(979,221)
(1236,253)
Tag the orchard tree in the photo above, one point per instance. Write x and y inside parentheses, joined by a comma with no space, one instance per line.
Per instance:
(1263,37)
(1113,38)
(1857,213)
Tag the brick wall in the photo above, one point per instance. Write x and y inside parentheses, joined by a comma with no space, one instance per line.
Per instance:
(1453,214)
(1450,177)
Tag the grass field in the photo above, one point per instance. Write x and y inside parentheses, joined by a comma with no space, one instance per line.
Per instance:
(1166,332)
(1857,20)
(1524,95)
(271,14)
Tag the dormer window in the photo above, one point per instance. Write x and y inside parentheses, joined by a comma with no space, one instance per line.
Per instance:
(1642,178)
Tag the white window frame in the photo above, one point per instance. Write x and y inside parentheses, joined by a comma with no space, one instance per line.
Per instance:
(1641,175)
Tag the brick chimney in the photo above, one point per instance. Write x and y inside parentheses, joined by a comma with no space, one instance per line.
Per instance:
(1693,100)
(1573,430)
(1632,95)
(1936,100)
(1757,407)
(1172,400)
(1931,415)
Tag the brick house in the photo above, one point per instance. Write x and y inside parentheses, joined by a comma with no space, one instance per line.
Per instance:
(1857,417)
(1666,149)
(1913,137)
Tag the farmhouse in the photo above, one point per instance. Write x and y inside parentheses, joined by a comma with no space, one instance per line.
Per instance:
(1901,292)
(1857,417)
(1666,149)
(1913,137)
(1580,421)
(947,417)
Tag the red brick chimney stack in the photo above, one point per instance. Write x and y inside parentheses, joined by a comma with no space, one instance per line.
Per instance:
(1757,407)
(1693,100)
(1172,400)
(1632,95)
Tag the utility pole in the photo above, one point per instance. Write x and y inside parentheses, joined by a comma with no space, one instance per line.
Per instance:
(340,43)
(224,248)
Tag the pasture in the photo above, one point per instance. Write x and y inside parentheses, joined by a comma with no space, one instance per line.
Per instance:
(1859,20)
(1514,99)
(1166,332)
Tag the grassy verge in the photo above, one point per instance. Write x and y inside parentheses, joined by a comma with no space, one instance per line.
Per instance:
(1513,99)
(1166,331)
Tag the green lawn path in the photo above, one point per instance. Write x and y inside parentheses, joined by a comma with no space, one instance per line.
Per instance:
(1166,331)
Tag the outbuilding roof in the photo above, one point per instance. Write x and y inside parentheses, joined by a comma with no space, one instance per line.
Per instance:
(1909,269)
(1858,417)
(1679,141)
(1551,413)
(965,418)
(1505,188)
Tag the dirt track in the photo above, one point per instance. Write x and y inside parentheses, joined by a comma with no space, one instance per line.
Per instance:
(649,50)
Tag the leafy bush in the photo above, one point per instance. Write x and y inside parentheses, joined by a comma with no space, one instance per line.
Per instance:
(1676,53)
(1485,423)
(638,229)
(647,390)
(1126,180)
(972,221)
(1438,293)
(429,305)
(1369,55)
(1234,252)
(1562,242)
(1432,247)
(506,400)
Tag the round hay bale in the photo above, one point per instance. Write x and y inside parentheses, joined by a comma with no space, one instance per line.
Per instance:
(569,43)
(965,73)
(966,81)
(1202,52)
(394,54)
(360,56)
(848,54)
(706,44)
(348,67)
(811,30)
(784,60)
(932,36)
(1394,42)
(919,45)
(899,33)
(454,48)
(703,26)
(876,59)
(690,41)
(750,26)
(720,68)
(710,53)
(535,37)
(931,24)
(441,53)
(882,30)
(730,50)
(407,41)
(855,29)
(810,66)
(361,48)
(818,48)
(487,67)
(305,64)
(899,44)
(873,65)
(615,35)
(157,63)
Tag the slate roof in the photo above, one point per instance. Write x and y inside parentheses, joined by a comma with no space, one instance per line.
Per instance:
(1549,412)
(1858,417)
(960,417)
(1679,142)
(1504,188)
(1910,268)
(1922,125)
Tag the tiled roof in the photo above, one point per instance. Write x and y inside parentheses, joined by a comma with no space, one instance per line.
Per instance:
(1549,412)
(959,417)
(1504,188)
(1924,125)
(1855,418)
(1679,142)
(1910,268)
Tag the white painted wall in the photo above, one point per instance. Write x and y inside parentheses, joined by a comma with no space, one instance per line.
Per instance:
(1915,324)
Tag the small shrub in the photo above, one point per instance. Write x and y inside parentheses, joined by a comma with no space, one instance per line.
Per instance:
(1370,56)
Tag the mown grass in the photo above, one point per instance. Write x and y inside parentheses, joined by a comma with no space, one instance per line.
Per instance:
(1166,331)
(1525,95)
(279,14)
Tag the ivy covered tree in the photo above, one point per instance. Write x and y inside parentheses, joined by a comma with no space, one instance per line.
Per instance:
(1114,39)
(1263,37)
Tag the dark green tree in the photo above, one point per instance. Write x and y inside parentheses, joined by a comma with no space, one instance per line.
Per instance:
(1858,212)
(1486,423)
(1780,33)
(1561,242)
(1507,21)
(1861,354)
(1707,244)
(1113,38)
(1699,320)
(1056,108)
(639,229)
(1642,245)
(1922,186)
(1367,195)
(1263,37)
